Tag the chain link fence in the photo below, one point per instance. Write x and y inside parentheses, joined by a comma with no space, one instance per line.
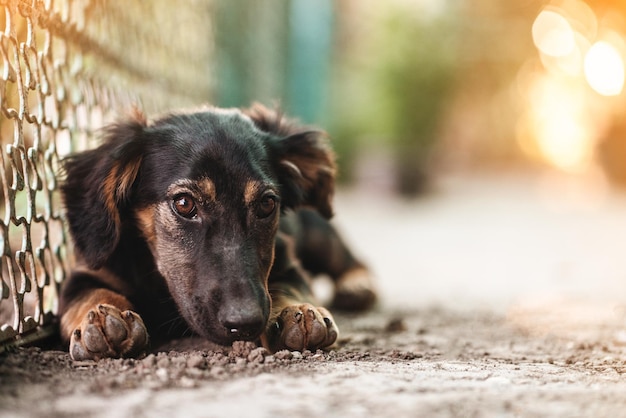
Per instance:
(69,67)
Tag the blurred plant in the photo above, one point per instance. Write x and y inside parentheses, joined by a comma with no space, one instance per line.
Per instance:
(415,75)
(393,87)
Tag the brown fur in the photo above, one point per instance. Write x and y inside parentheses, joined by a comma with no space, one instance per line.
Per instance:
(145,222)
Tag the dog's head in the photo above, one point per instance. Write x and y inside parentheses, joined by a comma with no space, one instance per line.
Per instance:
(205,191)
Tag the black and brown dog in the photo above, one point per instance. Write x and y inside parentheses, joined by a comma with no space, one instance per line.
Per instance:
(204,222)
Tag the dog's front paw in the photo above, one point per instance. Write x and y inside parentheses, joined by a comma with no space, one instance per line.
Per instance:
(302,327)
(108,332)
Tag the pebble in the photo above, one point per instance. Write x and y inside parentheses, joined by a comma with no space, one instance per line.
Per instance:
(218,359)
(149,361)
(196,362)
(608,360)
(217,371)
(194,372)
(53,356)
(163,362)
(242,348)
(153,384)
(179,361)
(283,355)
(186,382)
(162,374)
(396,325)
(257,355)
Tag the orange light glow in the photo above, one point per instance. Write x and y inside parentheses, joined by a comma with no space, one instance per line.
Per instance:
(565,114)
(559,124)
(604,69)
(552,34)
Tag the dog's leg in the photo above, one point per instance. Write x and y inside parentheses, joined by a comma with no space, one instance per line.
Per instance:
(322,251)
(99,322)
(296,321)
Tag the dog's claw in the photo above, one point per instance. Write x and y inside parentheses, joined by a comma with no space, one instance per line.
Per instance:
(91,316)
(294,330)
(107,332)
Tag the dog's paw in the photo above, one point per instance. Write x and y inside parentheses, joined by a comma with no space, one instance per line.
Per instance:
(354,291)
(108,332)
(302,327)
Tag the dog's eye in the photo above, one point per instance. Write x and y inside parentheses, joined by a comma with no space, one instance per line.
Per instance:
(185,206)
(266,206)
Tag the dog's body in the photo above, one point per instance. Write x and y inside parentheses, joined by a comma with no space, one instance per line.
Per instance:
(204,222)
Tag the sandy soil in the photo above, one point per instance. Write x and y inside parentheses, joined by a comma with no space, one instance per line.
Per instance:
(501,296)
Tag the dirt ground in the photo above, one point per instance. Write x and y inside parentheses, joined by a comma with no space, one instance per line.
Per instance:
(500,296)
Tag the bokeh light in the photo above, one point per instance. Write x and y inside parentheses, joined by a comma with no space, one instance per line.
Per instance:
(552,34)
(567,97)
(559,123)
(604,69)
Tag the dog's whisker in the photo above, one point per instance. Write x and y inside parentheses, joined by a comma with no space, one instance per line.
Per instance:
(188,332)
(174,322)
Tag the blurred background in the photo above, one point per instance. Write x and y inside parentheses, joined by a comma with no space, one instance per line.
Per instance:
(406,88)
(410,88)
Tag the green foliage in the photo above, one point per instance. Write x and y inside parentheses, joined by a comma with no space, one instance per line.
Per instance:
(394,87)
(415,72)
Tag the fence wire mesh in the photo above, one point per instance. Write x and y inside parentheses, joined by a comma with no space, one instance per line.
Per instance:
(60,60)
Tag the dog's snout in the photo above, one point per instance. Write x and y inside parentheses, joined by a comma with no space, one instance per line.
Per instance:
(243,325)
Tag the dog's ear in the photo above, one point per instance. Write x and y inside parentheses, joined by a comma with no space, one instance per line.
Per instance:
(97,186)
(305,167)
(303,160)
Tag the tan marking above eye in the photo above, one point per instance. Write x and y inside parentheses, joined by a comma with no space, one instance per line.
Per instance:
(259,196)
(250,191)
(253,190)
(202,190)
(207,188)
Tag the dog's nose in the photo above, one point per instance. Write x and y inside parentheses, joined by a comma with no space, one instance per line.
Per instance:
(244,326)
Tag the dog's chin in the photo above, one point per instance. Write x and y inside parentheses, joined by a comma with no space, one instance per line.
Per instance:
(225,338)
(221,336)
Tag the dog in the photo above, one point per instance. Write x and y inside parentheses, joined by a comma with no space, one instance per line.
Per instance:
(207,222)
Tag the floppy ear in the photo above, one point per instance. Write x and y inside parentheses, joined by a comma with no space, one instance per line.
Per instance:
(97,185)
(302,160)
